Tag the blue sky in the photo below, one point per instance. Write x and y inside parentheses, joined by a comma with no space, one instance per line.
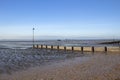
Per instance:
(59,19)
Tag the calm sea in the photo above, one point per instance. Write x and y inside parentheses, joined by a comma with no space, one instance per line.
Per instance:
(28,44)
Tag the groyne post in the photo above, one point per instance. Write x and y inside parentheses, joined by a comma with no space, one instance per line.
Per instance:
(64,48)
(105,49)
(82,49)
(41,46)
(58,48)
(51,47)
(37,46)
(46,46)
(33,46)
(72,49)
(93,50)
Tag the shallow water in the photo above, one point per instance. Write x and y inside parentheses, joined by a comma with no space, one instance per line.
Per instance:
(28,44)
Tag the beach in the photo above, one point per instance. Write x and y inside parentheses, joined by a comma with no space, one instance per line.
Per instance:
(22,62)
(99,66)
(12,60)
(59,39)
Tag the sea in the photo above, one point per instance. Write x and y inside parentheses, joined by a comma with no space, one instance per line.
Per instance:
(24,44)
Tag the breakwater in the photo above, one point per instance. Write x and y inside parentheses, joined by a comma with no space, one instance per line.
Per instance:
(79,48)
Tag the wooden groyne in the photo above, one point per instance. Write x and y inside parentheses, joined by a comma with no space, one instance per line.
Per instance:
(111,42)
(80,48)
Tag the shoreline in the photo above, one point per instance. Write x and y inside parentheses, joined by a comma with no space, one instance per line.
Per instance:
(93,67)
(12,60)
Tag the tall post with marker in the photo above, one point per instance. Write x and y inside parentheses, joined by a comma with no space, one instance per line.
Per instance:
(33,38)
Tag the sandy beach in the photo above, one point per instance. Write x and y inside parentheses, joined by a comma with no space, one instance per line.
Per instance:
(89,67)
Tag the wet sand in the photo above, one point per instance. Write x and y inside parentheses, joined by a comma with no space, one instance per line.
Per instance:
(92,67)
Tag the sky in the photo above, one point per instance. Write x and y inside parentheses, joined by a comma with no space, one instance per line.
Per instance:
(59,19)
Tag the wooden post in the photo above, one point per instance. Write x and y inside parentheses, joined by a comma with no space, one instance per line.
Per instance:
(41,46)
(119,45)
(33,46)
(46,46)
(64,48)
(72,48)
(105,49)
(58,48)
(93,50)
(51,47)
(37,46)
(82,49)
